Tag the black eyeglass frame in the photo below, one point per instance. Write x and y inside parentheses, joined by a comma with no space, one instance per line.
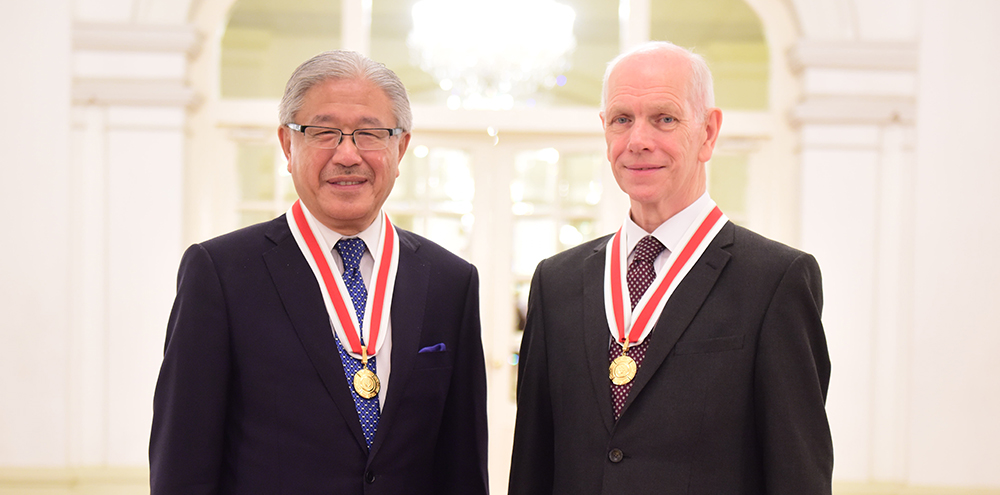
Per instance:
(302,128)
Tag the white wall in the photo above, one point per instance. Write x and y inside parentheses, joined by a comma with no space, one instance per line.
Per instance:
(955,406)
(94,138)
(899,190)
(35,274)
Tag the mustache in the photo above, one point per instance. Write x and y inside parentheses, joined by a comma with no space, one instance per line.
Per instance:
(340,171)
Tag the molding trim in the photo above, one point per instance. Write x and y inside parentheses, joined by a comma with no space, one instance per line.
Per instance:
(854,55)
(136,37)
(94,480)
(125,92)
(844,488)
(108,480)
(855,110)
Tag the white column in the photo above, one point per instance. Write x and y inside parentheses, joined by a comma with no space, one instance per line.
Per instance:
(130,109)
(893,300)
(356,25)
(88,400)
(857,118)
(633,23)
(145,164)
(840,226)
(492,206)
(774,190)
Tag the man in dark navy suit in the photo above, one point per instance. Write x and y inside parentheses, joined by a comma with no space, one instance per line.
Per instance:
(325,351)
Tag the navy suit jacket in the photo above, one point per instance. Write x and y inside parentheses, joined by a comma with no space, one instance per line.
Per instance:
(252,397)
(728,400)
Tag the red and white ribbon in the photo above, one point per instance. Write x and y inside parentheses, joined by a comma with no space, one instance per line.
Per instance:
(340,308)
(635,324)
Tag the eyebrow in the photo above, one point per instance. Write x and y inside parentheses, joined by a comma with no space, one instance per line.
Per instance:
(671,108)
(326,119)
(617,110)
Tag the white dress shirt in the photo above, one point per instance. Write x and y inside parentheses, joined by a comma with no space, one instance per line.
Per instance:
(669,233)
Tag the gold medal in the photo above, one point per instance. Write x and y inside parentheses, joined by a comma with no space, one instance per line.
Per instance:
(366,383)
(623,368)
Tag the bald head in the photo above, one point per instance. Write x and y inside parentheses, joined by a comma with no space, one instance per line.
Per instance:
(663,56)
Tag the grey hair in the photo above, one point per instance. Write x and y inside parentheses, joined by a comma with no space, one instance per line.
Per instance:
(701,92)
(343,64)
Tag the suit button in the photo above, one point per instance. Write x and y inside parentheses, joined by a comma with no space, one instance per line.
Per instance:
(616,455)
(370,477)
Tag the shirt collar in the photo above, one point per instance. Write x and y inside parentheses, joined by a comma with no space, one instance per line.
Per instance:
(370,235)
(670,232)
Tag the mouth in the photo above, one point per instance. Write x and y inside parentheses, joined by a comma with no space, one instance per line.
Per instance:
(346,180)
(642,168)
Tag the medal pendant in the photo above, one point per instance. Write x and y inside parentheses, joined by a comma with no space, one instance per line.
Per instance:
(366,383)
(622,370)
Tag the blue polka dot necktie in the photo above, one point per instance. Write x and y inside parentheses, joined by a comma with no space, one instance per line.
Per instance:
(350,250)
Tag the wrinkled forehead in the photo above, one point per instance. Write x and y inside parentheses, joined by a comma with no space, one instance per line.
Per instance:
(661,68)
(650,77)
(351,102)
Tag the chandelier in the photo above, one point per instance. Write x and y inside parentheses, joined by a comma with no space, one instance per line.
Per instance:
(490,53)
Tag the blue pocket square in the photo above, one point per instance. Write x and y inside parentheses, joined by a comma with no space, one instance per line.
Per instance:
(433,348)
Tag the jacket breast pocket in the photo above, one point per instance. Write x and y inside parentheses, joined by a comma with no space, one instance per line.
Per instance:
(718,344)
(432,360)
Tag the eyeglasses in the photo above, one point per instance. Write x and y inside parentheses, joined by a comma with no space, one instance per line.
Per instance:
(329,138)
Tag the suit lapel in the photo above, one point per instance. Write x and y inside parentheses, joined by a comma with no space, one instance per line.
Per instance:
(597,335)
(682,307)
(407,316)
(303,302)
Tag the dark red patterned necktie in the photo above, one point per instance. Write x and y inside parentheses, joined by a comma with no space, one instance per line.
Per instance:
(639,277)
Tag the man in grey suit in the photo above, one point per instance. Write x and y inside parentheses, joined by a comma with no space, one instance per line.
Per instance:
(683,354)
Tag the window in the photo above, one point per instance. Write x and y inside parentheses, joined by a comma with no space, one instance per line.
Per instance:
(433,196)
(554,198)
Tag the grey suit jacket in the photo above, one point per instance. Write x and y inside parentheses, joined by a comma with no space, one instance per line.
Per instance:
(729,400)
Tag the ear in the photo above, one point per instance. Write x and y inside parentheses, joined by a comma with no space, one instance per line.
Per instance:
(713,122)
(404,142)
(285,138)
(604,126)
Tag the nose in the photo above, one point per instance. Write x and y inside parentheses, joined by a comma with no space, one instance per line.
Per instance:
(347,153)
(640,136)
